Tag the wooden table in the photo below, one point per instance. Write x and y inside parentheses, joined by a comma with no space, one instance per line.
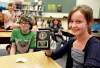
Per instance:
(34,60)
(5,37)
(5,33)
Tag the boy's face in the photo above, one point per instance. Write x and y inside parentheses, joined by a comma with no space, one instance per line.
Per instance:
(11,7)
(24,26)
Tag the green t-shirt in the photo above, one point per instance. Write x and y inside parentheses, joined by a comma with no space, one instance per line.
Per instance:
(23,41)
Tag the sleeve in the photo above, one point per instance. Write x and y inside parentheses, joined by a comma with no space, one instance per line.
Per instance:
(33,41)
(13,35)
(90,66)
(63,50)
(93,56)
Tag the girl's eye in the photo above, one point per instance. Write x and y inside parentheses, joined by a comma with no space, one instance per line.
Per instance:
(70,21)
(78,22)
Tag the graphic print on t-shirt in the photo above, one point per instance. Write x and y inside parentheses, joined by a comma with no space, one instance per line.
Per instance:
(22,45)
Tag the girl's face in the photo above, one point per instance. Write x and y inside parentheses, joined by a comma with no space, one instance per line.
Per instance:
(78,24)
(24,26)
(55,22)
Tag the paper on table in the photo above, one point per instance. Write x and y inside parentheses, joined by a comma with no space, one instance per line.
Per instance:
(21,60)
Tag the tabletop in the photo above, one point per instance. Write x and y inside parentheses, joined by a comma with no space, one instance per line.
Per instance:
(33,60)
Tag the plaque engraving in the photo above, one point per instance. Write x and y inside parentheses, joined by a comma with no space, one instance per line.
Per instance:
(43,39)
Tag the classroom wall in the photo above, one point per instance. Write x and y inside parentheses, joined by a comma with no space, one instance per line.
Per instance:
(55,15)
(95,4)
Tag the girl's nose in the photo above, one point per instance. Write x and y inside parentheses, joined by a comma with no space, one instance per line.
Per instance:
(73,24)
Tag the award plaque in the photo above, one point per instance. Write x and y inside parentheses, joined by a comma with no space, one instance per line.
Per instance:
(43,39)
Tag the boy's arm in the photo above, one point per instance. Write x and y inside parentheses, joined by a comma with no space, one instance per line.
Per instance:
(13,49)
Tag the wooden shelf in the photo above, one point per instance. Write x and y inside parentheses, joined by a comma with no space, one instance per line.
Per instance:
(97,20)
(96,34)
(5,33)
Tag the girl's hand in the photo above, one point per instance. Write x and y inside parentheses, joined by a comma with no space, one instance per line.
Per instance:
(48,53)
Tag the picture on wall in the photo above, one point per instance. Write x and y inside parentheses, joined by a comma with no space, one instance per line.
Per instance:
(55,7)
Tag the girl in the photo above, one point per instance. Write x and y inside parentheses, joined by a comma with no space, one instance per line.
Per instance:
(83,50)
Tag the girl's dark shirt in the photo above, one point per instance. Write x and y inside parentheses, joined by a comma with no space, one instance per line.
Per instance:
(91,57)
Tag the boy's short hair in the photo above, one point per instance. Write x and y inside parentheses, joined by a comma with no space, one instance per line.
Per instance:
(26,19)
